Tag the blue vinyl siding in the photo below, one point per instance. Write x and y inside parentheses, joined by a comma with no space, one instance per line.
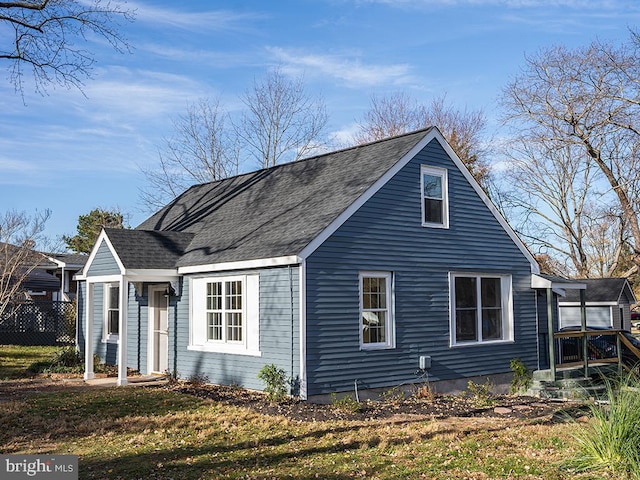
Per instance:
(103,263)
(279,335)
(386,234)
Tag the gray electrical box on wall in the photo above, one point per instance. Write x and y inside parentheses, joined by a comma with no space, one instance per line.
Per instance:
(425,362)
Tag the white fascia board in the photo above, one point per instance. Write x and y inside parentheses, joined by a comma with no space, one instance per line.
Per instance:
(101,238)
(432,134)
(104,279)
(628,289)
(241,265)
(56,261)
(588,304)
(141,275)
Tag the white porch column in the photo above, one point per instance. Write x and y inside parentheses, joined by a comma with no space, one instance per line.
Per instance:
(122,331)
(88,332)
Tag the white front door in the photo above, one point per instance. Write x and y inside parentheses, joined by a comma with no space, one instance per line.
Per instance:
(159,330)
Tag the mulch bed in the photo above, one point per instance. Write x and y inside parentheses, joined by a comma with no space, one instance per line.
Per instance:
(436,406)
(396,408)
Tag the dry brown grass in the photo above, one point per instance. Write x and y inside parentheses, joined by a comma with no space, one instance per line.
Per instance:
(155,433)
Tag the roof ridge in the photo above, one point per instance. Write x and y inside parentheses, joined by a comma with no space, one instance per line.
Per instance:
(314,157)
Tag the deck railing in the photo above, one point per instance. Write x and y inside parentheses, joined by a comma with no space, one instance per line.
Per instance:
(580,348)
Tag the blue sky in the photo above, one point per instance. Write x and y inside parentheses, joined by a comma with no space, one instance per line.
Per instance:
(70,153)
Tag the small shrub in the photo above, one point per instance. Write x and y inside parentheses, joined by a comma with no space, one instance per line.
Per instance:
(424,392)
(393,395)
(521,380)
(67,357)
(65,360)
(345,404)
(611,439)
(198,379)
(275,381)
(480,393)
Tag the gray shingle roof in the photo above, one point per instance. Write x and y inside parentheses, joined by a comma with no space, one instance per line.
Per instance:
(277,211)
(601,290)
(142,249)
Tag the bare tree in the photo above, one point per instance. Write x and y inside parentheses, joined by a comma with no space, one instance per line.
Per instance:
(201,150)
(389,116)
(398,113)
(45,35)
(587,99)
(550,185)
(283,122)
(19,235)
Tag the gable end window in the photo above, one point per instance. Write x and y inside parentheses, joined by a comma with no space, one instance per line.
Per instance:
(224,314)
(481,308)
(376,310)
(435,202)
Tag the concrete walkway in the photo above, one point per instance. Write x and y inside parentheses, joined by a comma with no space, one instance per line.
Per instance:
(138,380)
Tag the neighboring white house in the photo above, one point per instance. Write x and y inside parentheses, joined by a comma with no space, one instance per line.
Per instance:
(607,300)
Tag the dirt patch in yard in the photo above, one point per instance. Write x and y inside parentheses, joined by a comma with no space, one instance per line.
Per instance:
(410,408)
(396,410)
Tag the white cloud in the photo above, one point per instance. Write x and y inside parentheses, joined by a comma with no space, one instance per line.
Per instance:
(351,71)
(576,4)
(211,20)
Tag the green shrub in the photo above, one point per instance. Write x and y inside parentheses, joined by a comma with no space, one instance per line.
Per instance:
(611,439)
(521,380)
(345,403)
(275,381)
(65,360)
(394,395)
(480,393)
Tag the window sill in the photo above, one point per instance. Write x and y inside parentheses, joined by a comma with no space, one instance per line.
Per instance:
(111,339)
(367,348)
(224,348)
(435,225)
(479,344)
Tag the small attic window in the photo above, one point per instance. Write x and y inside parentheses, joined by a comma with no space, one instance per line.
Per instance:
(435,202)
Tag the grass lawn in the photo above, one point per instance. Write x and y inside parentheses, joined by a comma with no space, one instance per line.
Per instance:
(14,360)
(145,432)
(150,432)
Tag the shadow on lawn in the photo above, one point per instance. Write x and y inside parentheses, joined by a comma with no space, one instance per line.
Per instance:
(260,456)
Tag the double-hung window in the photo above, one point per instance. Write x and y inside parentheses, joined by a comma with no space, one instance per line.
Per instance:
(376,310)
(224,314)
(224,311)
(481,308)
(435,202)
(111,310)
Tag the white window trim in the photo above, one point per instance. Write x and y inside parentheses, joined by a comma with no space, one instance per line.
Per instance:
(106,336)
(506,287)
(442,173)
(198,341)
(390,342)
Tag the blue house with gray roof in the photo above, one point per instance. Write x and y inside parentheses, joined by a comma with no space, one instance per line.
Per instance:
(365,268)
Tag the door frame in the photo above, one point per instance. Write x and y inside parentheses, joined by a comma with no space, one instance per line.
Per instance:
(151,311)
